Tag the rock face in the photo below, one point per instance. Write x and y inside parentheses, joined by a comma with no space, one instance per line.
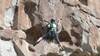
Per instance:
(23,22)
(23,17)
(7,48)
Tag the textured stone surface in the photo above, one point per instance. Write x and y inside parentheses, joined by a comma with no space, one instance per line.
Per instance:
(7,13)
(12,34)
(24,21)
(6,48)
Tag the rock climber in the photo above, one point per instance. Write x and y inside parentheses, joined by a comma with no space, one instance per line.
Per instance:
(52,31)
(51,34)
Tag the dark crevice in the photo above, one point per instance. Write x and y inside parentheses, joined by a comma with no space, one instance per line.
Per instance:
(87,12)
(76,31)
(77,36)
(18,51)
(68,4)
(31,48)
(15,20)
(65,37)
(31,11)
(97,26)
(5,39)
(85,2)
(30,8)
(1,28)
(33,34)
(52,54)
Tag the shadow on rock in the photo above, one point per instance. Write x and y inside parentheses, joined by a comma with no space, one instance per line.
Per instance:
(18,51)
(77,36)
(30,8)
(98,51)
(79,53)
(51,54)
(65,37)
(33,34)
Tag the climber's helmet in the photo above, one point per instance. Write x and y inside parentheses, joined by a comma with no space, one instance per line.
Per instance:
(52,20)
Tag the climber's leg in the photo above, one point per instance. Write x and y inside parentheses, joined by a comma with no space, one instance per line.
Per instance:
(39,39)
(57,38)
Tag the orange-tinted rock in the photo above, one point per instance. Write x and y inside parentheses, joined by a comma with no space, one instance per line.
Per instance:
(23,19)
(44,10)
(12,34)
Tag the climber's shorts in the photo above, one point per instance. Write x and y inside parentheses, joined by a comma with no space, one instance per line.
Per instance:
(51,35)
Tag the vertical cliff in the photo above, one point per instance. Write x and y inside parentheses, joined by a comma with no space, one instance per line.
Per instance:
(23,22)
